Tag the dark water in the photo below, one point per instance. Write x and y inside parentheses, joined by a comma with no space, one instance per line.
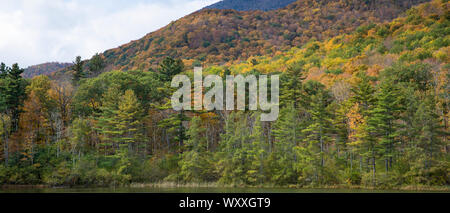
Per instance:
(198,190)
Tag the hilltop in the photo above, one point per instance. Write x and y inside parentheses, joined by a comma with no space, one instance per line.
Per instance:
(44,69)
(247,5)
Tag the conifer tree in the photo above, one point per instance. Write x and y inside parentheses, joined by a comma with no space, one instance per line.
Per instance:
(364,100)
(258,153)
(13,92)
(233,161)
(318,132)
(287,132)
(129,120)
(195,161)
(78,72)
(96,63)
(384,115)
(107,122)
(292,85)
(174,124)
(429,139)
(170,67)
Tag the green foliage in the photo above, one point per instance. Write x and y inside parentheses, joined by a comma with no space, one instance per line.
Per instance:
(373,112)
(170,67)
(195,164)
(145,85)
(12,92)
(96,63)
(287,132)
(291,84)
(78,70)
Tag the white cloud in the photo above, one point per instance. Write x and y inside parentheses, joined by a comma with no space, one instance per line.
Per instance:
(38,31)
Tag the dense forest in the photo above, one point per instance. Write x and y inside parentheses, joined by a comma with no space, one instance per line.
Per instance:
(247,5)
(217,37)
(368,108)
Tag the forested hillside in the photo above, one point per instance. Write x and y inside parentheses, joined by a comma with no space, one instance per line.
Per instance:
(44,69)
(246,5)
(224,36)
(368,108)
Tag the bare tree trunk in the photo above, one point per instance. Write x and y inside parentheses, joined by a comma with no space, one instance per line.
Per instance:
(322,163)
(374,171)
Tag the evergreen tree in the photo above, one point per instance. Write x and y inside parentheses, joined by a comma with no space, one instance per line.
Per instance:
(129,120)
(258,153)
(287,132)
(291,82)
(364,100)
(12,93)
(363,94)
(341,128)
(107,122)
(429,139)
(78,72)
(318,132)
(174,129)
(3,71)
(385,113)
(170,67)
(195,164)
(96,63)
(233,162)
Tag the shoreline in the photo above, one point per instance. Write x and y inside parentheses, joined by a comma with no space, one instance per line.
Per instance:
(417,188)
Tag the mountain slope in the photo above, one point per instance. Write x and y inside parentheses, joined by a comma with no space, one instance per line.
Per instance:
(44,69)
(247,5)
(418,42)
(224,36)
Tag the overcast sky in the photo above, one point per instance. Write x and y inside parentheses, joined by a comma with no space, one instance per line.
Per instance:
(38,31)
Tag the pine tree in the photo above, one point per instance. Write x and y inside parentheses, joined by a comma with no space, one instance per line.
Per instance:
(257,154)
(78,72)
(195,164)
(14,94)
(96,63)
(233,162)
(287,132)
(292,85)
(4,119)
(384,114)
(364,94)
(429,139)
(174,129)
(129,121)
(107,122)
(174,124)
(363,100)
(341,128)
(318,132)
(368,139)
(170,67)
(3,71)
